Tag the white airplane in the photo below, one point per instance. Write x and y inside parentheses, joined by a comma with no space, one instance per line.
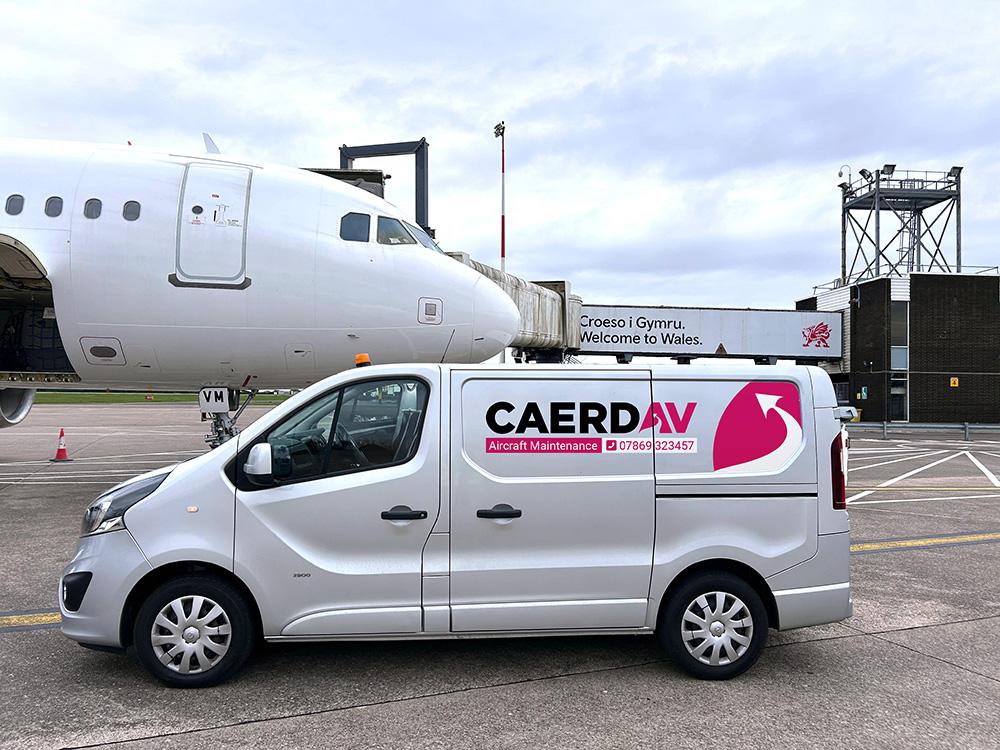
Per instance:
(126,268)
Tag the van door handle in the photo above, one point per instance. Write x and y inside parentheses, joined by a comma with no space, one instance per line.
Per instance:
(501,510)
(403,513)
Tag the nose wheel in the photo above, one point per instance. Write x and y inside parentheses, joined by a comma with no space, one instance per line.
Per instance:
(223,423)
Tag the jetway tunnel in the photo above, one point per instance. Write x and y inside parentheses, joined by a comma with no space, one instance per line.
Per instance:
(550,313)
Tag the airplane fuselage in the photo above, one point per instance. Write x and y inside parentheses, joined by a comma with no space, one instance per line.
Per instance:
(178,271)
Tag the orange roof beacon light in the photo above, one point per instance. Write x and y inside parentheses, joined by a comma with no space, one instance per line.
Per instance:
(362,360)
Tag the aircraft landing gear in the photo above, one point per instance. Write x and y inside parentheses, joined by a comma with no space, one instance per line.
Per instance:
(223,424)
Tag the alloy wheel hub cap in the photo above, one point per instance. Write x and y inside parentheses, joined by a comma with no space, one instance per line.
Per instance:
(191,634)
(717,628)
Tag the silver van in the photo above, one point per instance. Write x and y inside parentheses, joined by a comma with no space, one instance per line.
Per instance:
(703,505)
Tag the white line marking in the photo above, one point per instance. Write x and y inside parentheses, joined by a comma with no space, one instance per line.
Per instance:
(919,499)
(901,477)
(103,458)
(893,461)
(989,474)
(39,484)
(886,450)
(987,453)
(75,474)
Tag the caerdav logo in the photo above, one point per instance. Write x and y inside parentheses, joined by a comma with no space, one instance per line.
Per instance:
(588,417)
(760,430)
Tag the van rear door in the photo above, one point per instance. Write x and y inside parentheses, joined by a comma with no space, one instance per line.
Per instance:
(551,524)
(746,488)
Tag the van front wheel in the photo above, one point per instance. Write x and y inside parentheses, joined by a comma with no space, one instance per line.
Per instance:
(714,626)
(193,631)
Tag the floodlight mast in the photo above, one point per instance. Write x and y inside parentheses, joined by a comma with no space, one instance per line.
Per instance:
(498,132)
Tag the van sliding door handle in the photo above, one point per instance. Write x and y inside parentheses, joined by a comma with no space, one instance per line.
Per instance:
(403,513)
(499,511)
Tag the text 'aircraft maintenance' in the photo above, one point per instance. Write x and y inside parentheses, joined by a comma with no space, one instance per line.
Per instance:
(128,268)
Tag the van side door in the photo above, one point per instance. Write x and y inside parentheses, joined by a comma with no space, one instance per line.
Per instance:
(335,546)
(551,516)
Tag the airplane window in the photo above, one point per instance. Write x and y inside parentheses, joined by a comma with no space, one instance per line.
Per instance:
(92,208)
(53,206)
(355,227)
(15,204)
(423,238)
(391,232)
(131,210)
(196,210)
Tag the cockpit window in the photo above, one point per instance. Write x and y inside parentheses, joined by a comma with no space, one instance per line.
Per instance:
(53,206)
(92,208)
(391,232)
(15,204)
(423,238)
(355,227)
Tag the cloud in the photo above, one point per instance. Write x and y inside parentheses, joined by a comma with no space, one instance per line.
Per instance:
(674,153)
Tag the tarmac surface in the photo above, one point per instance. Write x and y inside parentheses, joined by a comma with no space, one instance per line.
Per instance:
(917,666)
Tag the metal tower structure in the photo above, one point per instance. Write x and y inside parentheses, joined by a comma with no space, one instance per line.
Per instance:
(893,222)
(419,150)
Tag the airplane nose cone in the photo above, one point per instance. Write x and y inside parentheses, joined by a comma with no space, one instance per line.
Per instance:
(496,320)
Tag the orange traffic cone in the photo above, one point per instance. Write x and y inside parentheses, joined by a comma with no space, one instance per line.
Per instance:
(61,454)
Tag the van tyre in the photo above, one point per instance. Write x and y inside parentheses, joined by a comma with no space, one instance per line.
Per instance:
(194,631)
(714,626)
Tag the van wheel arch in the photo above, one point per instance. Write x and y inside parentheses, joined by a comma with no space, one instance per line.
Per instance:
(158,576)
(741,570)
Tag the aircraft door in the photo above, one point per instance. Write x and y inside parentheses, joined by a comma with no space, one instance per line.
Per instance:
(212,227)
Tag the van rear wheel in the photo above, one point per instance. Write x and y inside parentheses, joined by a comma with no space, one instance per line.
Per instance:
(715,626)
(194,631)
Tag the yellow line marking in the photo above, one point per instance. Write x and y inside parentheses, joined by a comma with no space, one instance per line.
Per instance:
(44,618)
(928,542)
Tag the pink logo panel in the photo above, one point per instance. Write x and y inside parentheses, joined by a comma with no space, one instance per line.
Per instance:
(760,430)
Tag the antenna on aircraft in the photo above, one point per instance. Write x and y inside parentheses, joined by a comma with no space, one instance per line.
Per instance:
(210,147)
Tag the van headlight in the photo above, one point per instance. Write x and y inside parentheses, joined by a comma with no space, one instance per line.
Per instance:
(106,512)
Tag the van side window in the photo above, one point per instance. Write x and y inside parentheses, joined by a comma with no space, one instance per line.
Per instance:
(362,426)
(130,211)
(391,232)
(355,227)
(53,206)
(15,204)
(379,424)
(300,444)
(92,208)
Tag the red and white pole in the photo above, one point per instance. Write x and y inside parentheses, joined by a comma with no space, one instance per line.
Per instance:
(498,131)
(503,203)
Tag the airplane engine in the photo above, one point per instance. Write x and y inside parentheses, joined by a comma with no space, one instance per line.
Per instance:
(15,403)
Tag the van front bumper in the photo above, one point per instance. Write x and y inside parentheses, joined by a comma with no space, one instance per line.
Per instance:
(116,564)
(817,591)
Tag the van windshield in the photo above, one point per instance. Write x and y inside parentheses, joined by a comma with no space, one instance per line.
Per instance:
(423,238)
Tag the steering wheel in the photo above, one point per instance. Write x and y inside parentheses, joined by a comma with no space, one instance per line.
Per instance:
(346,439)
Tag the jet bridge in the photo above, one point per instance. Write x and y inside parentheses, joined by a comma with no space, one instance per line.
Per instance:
(550,313)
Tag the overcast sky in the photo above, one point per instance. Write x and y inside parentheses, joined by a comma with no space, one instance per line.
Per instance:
(658,153)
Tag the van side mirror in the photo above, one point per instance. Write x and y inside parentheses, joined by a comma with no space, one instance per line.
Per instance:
(258,464)
(846,413)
